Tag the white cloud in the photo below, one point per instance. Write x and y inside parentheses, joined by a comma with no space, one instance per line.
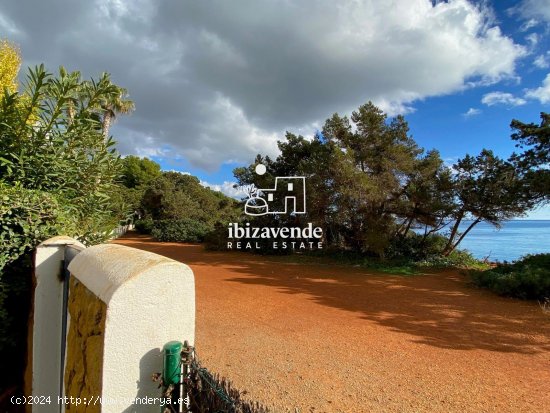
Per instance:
(542,93)
(216,82)
(450,161)
(471,112)
(226,188)
(542,61)
(532,39)
(529,24)
(8,26)
(502,98)
(533,11)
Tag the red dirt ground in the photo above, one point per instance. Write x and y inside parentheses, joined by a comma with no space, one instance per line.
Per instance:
(328,338)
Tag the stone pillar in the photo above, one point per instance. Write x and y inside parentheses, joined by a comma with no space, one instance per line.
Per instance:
(45,325)
(124,305)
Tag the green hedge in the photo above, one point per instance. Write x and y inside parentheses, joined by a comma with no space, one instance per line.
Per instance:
(179,230)
(144,226)
(216,239)
(528,278)
(415,247)
(27,217)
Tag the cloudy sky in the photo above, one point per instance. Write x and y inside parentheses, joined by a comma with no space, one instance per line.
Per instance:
(216,82)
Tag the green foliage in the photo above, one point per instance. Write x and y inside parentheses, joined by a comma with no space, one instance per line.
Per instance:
(144,226)
(112,104)
(534,161)
(179,230)
(57,176)
(392,267)
(178,208)
(528,278)
(125,203)
(456,259)
(416,247)
(370,185)
(406,260)
(368,182)
(216,239)
(28,216)
(488,189)
(174,196)
(51,141)
(354,178)
(137,172)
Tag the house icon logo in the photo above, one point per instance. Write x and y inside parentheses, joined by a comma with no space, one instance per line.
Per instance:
(287,197)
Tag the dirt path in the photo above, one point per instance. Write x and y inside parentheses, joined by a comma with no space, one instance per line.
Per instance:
(322,338)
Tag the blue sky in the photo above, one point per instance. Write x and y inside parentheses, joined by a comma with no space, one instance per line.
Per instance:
(217,82)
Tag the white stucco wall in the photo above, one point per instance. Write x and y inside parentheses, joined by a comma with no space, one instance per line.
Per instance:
(150,300)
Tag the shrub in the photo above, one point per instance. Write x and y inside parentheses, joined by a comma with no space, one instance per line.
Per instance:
(456,259)
(415,247)
(144,226)
(216,239)
(528,278)
(57,175)
(27,217)
(179,230)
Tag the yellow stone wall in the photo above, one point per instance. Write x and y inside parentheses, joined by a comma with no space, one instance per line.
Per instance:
(83,371)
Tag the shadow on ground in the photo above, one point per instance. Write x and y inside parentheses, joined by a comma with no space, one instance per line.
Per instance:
(440,310)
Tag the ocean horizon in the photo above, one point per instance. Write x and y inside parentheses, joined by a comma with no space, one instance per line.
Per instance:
(516,238)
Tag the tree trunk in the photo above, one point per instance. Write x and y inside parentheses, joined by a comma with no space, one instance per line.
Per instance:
(408,226)
(473,224)
(106,124)
(437,227)
(449,246)
(71,113)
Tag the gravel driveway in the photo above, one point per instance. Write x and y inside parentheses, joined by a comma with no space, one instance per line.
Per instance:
(329,338)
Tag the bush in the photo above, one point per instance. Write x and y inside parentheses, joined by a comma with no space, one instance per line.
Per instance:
(57,176)
(27,217)
(179,230)
(216,239)
(456,259)
(528,278)
(415,247)
(144,226)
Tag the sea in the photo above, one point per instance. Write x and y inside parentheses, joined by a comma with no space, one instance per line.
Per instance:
(513,240)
